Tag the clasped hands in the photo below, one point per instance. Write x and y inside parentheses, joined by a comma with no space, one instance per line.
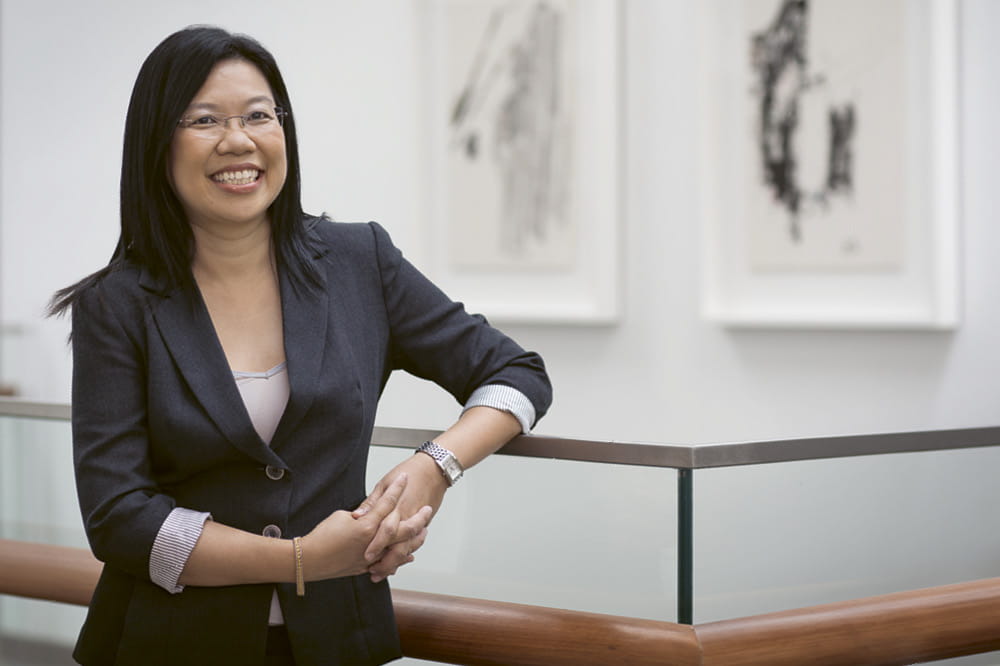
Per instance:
(384,531)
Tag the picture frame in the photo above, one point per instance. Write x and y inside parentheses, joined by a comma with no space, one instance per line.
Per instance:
(523,152)
(850,220)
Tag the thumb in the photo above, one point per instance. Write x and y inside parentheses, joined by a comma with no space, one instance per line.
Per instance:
(369,501)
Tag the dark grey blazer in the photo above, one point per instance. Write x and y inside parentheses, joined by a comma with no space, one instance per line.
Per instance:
(158,422)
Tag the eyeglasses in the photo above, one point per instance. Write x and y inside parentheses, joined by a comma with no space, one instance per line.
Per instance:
(215,126)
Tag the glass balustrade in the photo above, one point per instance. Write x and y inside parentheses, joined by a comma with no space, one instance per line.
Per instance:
(603,537)
(38,503)
(788,535)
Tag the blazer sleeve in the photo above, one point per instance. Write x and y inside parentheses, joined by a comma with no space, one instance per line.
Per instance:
(121,505)
(433,337)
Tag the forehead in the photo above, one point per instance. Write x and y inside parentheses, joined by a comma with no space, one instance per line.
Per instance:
(233,82)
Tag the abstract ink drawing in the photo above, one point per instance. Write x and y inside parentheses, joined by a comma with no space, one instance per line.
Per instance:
(509,122)
(830,164)
(780,61)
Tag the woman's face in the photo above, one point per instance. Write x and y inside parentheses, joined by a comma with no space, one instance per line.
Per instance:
(230,176)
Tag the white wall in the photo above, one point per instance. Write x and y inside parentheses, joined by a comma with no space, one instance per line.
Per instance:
(662,374)
(67,72)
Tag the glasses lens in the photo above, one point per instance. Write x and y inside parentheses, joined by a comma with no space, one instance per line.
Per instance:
(258,119)
(205,123)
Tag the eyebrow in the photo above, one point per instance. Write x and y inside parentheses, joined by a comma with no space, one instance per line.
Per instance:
(215,107)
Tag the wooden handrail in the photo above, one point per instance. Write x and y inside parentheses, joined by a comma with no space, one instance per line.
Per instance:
(903,628)
(54,573)
(453,630)
(459,630)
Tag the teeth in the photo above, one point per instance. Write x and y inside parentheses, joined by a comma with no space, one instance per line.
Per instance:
(244,177)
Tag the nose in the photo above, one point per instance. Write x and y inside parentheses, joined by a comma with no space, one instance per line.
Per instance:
(234,138)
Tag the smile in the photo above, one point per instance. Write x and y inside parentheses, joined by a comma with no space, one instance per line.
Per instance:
(244,177)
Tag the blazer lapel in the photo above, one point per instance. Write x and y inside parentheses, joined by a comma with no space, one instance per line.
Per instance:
(187,330)
(305,314)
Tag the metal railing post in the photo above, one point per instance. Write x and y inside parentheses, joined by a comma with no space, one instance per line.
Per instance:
(685,546)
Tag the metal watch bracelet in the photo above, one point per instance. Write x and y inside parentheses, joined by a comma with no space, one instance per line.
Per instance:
(451,469)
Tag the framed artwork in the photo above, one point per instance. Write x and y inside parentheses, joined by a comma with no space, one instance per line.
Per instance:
(523,155)
(830,163)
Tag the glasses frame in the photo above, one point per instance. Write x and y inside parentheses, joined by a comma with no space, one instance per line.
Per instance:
(279,114)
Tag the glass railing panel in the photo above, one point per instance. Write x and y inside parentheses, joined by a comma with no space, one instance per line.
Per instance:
(602,537)
(789,535)
(36,483)
(38,503)
(574,535)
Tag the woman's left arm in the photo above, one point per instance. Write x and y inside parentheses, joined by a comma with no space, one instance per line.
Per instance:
(504,388)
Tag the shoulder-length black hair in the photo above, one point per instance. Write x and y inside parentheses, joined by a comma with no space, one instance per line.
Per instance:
(155,233)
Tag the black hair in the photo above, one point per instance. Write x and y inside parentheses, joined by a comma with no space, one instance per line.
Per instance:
(155,233)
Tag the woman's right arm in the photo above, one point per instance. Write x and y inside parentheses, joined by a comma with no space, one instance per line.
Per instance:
(335,548)
(123,509)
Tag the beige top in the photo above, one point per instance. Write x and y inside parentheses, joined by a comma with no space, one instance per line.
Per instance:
(265,395)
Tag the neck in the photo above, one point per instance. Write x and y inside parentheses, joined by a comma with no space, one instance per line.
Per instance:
(232,255)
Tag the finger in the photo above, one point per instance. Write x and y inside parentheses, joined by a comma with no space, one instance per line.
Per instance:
(365,506)
(411,527)
(370,501)
(387,515)
(384,538)
(399,554)
(379,577)
(394,558)
(387,501)
(418,541)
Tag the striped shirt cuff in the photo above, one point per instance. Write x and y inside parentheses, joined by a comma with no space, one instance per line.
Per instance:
(506,399)
(173,545)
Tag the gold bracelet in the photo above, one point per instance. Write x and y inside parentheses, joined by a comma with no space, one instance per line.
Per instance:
(300,580)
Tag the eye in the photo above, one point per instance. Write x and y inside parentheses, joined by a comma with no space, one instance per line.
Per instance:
(259,117)
(204,121)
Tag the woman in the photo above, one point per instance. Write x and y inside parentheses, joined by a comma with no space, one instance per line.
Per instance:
(227,366)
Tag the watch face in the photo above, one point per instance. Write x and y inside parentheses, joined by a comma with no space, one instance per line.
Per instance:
(451,466)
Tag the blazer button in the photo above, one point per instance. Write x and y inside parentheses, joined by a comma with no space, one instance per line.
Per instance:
(274,473)
(272,532)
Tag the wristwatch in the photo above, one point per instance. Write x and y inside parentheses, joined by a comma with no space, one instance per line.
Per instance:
(445,459)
